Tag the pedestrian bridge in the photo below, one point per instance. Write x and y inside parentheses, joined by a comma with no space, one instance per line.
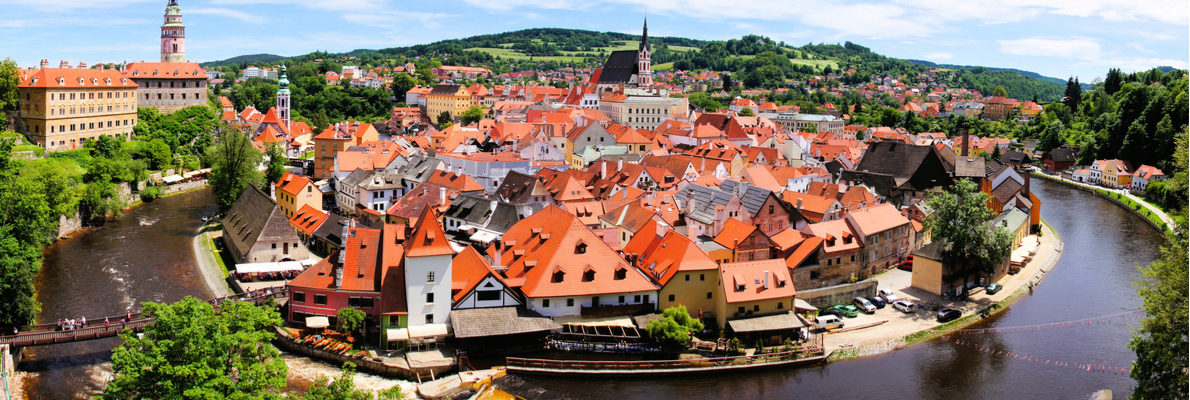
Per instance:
(96,328)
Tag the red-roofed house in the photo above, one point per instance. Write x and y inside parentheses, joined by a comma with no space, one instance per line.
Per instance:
(428,256)
(753,289)
(295,192)
(475,285)
(686,274)
(886,234)
(346,278)
(1144,175)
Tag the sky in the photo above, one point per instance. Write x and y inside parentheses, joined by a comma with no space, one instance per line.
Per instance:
(1058,38)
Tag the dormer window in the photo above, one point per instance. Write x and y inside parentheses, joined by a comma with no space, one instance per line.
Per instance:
(154,72)
(589,274)
(580,248)
(621,273)
(558,276)
(82,81)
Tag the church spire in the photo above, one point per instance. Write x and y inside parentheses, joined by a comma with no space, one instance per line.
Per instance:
(644,36)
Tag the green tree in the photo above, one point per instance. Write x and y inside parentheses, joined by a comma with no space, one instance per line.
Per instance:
(1000,91)
(233,168)
(97,201)
(194,351)
(960,223)
(674,327)
(1160,343)
(105,147)
(401,84)
(19,263)
(342,388)
(996,153)
(350,319)
(1113,81)
(276,164)
(160,156)
(1074,93)
(444,119)
(472,115)
(1051,136)
(746,112)
(8,86)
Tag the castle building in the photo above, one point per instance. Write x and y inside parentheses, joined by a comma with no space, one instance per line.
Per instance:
(62,107)
(627,68)
(173,35)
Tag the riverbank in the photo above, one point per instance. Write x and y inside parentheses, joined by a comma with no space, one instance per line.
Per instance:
(902,330)
(1154,216)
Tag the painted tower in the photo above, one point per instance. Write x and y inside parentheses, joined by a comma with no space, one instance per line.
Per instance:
(283,99)
(644,74)
(173,35)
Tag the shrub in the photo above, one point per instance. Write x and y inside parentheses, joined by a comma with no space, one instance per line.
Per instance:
(149,194)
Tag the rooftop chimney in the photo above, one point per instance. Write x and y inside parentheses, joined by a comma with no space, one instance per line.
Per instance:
(965,135)
(64,64)
(441,195)
(603,170)
(45,63)
(799,204)
(766,279)
(82,65)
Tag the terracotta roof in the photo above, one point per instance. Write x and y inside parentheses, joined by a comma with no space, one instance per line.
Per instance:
(734,232)
(292,184)
(746,281)
(869,221)
(466,271)
(77,77)
(308,219)
(787,238)
(428,237)
(804,250)
(392,274)
(362,256)
(662,256)
(455,181)
(837,234)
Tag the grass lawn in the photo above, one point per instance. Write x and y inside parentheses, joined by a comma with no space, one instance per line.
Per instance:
(38,150)
(663,66)
(71,167)
(505,51)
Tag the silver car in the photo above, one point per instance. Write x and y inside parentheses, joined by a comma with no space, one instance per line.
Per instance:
(888,295)
(904,306)
(864,305)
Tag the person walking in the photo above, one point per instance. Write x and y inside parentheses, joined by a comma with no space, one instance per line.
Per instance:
(105,322)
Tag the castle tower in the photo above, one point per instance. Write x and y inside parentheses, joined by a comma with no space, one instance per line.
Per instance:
(173,34)
(644,75)
(283,99)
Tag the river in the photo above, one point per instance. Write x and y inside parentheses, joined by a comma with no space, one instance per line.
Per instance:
(1093,278)
(146,256)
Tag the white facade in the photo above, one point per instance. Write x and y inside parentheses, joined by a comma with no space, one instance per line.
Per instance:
(253,72)
(572,305)
(427,289)
(379,199)
(488,293)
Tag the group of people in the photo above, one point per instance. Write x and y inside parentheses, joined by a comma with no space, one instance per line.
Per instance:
(266,276)
(71,324)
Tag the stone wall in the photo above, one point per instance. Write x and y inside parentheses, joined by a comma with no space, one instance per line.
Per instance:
(182,187)
(838,294)
(67,226)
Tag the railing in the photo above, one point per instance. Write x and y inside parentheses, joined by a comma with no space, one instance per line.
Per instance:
(805,352)
(108,326)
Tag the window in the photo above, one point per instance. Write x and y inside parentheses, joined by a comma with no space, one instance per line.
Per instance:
(570,302)
(708,295)
(545,303)
(671,297)
(646,299)
(740,310)
(770,208)
(299,297)
(429,318)
(702,277)
(429,298)
(320,299)
(756,307)
(488,295)
(353,302)
(780,305)
(430,277)
(367,302)
(621,299)
(687,277)
(853,258)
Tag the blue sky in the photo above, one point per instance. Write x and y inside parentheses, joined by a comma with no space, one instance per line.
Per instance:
(1057,38)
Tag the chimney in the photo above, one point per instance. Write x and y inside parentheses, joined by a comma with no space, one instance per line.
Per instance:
(1027,190)
(82,65)
(441,195)
(766,279)
(619,165)
(64,64)
(338,282)
(45,63)
(965,135)
(603,170)
(799,204)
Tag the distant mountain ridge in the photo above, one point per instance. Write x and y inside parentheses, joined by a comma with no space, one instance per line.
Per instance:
(249,58)
(1030,74)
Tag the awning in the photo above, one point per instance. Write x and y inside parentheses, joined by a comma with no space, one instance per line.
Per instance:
(397,334)
(484,237)
(786,321)
(172,179)
(431,330)
(802,305)
(258,268)
(317,322)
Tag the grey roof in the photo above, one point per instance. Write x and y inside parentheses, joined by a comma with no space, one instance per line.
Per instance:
(969,167)
(331,229)
(1061,154)
(470,208)
(253,218)
(355,178)
(1010,219)
(766,323)
(705,201)
(1014,157)
(620,67)
(517,187)
(932,251)
(751,197)
(444,90)
(500,321)
(420,168)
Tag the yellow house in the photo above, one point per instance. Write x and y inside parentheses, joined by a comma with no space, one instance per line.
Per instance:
(753,289)
(60,108)
(453,99)
(687,275)
(294,191)
(1114,174)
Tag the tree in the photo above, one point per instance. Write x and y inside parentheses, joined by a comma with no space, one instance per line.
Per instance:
(472,115)
(746,112)
(674,327)
(996,153)
(1160,343)
(160,156)
(342,388)
(19,263)
(276,164)
(1113,81)
(1051,136)
(444,118)
(233,168)
(1074,94)
(401,84)
(350,319)
(728,85)
(105,147)
(1000,91)
(960,224)
(8,86)
(194,351)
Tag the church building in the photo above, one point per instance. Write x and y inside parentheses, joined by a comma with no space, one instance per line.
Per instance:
(627,68)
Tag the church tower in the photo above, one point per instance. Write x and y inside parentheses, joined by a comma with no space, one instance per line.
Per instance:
(173,35)
(283,99)
(644,74)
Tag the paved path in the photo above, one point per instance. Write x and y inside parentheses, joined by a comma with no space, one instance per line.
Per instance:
(212,275)
(1169,222)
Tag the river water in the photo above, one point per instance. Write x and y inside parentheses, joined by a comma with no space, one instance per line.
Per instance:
(1093,278)
(146,256)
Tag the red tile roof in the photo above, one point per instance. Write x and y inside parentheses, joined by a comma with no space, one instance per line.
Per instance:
(428,238)
(734,232)
(756,280)
(292,184)
(76,78)
(308,219)
(466,271)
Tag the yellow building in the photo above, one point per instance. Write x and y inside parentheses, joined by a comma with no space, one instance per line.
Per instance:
(1114,174)
(753,289)
(62,107)
(453,99)
(294,191)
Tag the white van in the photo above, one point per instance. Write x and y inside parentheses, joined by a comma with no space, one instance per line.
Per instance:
(827,321)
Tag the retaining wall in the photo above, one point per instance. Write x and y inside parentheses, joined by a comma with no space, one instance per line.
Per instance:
(838,294)
(288,343)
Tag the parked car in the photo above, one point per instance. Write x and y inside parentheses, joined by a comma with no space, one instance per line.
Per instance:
(831,311)
(948,314)
(904,306)
(888,295)
(828,321)
(878,301)
(847,310)
(906,265)
(865,305)
(993,288)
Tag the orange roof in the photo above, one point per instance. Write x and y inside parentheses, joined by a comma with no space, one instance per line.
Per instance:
(733,233)
(428,237)
(804,250)
(869,221)
(838,235)
(756,280)
(308,219)
(814,208)
(466,271)
(76,78)
(663,256)
(362,257)
(392,276)
(165,70)
(787,238)
(454,181)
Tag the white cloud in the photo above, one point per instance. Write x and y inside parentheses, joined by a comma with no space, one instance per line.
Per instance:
(229,13)
(939,56)
(1079,48)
